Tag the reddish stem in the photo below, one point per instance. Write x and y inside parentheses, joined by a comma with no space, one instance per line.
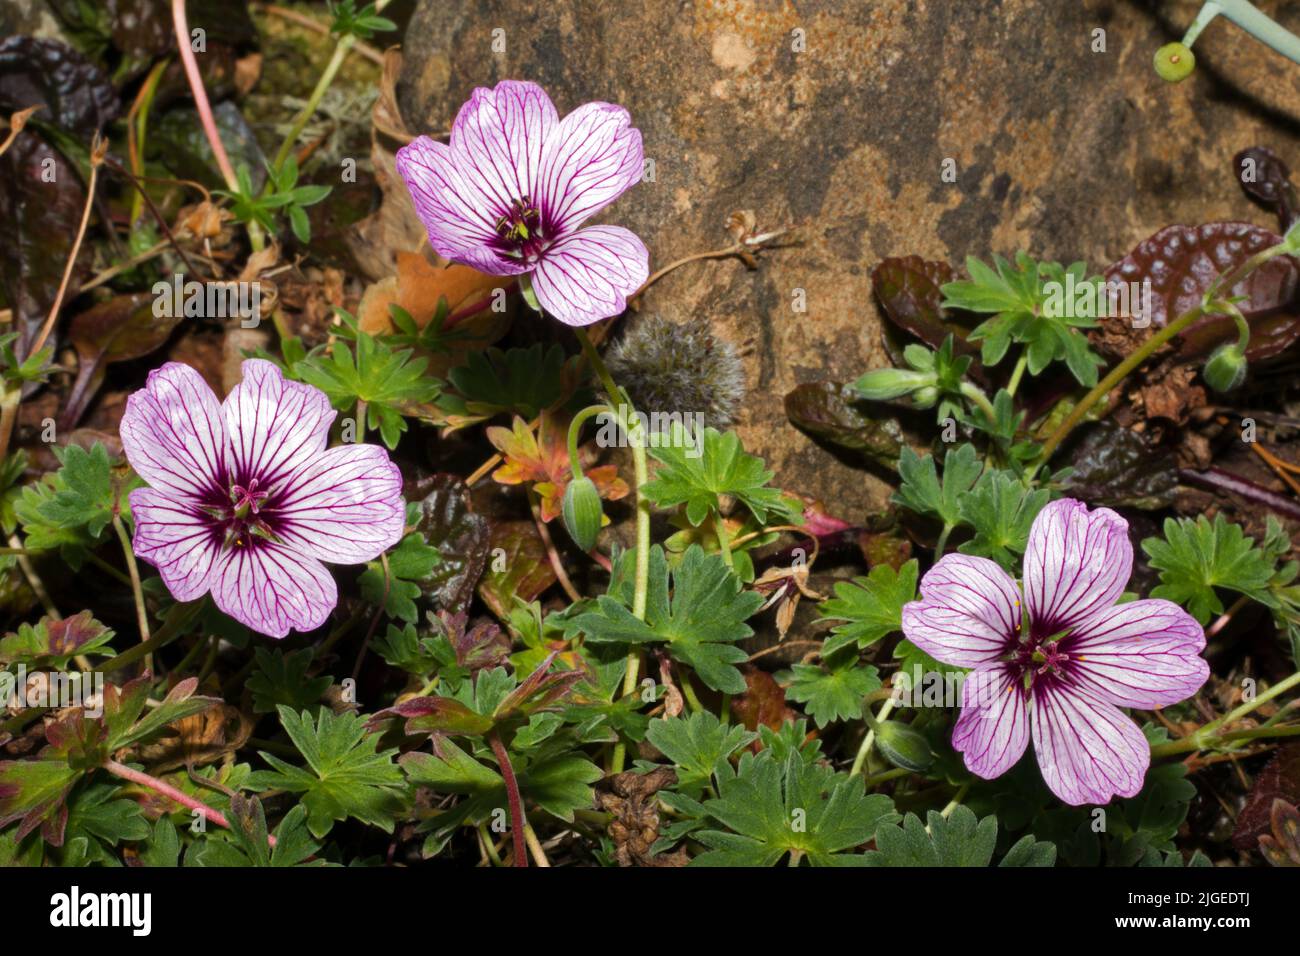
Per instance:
(512,794)
(201,95)
(167,790)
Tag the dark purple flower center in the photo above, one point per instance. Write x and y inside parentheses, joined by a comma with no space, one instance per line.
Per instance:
(520,230)
(244,517)
(1038,652)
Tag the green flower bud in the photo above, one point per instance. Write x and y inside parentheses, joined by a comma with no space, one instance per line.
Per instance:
(1226,368)
(1174,62)
(886,383)
(925,397)
(582,512)
(903,747)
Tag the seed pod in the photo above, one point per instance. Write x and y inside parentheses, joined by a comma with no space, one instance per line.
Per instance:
(883,384)
(903,747)
(582,512)
(1226,368)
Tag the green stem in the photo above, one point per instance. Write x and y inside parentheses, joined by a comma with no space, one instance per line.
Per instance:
(689,693)
(860,761)
(1018,372)
(641,471)
(1205,738)
(942,542)
(1144,351)
(955,802)
(341,50)
(141,612)
(975,394)
(885,776)
(575,435)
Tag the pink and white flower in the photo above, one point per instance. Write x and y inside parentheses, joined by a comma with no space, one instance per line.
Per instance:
(1058,668)
(507,194)
(246,500)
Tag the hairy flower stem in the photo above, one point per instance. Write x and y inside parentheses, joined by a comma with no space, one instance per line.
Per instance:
(517,821)
(976,395)
(942,543)
(1018,372)
(1146,349)
(955,802)
(167,790)
(141,612)
(204,109)
(860,761)
(641,469)
(535,845)
(1206,738)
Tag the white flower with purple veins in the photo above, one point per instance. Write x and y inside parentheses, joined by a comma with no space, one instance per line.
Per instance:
(507,194)
(1058,667)
(246,500)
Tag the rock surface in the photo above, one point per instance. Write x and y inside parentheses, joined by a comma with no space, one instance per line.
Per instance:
(1066,151)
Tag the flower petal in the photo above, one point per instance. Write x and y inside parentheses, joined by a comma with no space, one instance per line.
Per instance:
(968,613)
(1077,563)
(993,729)
(587,276)
(173,435)
(346,507)
(448,205)
(498,141)
(177,538)
(590,159)
(275,426)
(1142,654)
(271,588)
(1087,749)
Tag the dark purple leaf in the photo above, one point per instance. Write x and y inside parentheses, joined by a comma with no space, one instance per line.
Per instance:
(520,569)
(1266,179)
(828,412)
(1118,468)
(909,290)
(1181,262)
(41,193)
(448,523)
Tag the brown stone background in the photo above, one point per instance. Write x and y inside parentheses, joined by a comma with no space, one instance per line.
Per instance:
(1060,150)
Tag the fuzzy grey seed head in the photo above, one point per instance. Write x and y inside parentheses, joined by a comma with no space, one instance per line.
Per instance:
(679,368)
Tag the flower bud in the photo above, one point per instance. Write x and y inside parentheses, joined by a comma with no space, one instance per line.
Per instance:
(903,747)
(1226,368)
(883,384)
(1174,62)
(582,512)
